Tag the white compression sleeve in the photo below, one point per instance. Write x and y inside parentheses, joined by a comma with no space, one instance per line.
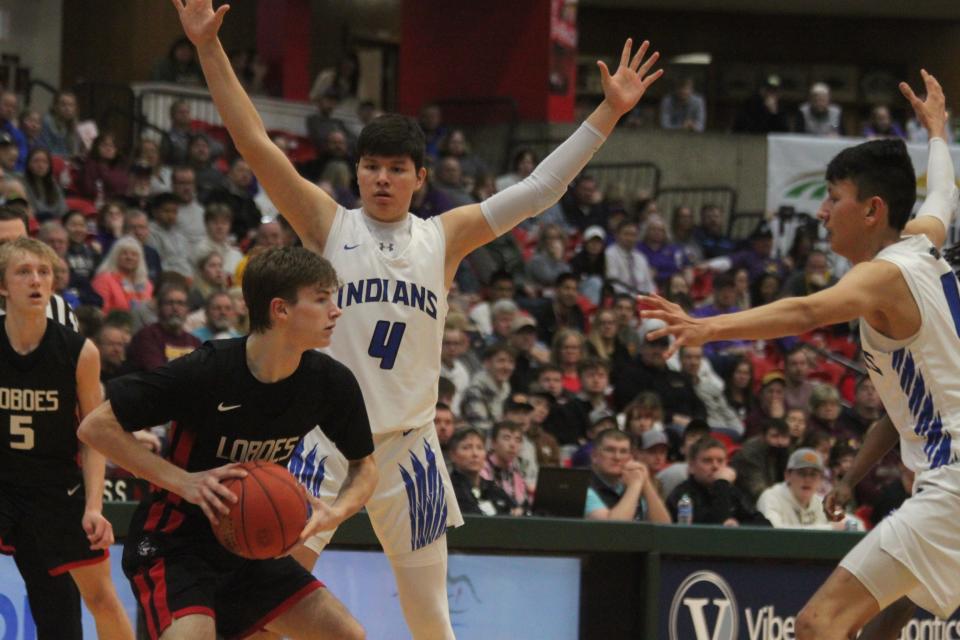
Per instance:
(545,185)
(941,199)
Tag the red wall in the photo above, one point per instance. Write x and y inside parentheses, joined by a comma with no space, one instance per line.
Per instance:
(478,49)
(283,38)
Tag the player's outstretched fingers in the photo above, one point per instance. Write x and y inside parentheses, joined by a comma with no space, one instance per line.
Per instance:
(638,56)
(625,54)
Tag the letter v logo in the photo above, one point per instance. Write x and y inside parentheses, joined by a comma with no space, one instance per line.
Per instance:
(703,597)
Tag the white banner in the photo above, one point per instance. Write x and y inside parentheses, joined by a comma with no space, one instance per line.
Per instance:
(796,164)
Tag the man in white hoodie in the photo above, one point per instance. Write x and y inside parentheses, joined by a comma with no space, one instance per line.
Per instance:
(794,503)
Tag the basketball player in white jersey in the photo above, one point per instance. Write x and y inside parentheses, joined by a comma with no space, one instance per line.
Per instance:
(906,297)
(396,270)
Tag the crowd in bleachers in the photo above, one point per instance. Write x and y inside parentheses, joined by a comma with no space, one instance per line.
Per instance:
(544,357)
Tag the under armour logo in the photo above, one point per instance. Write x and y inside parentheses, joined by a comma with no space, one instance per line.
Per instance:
(386,246)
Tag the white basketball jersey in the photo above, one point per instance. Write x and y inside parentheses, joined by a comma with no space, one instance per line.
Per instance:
(394,309)
(917,378)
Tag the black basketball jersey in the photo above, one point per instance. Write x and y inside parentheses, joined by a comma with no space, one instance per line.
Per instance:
(38,410)
(223,414)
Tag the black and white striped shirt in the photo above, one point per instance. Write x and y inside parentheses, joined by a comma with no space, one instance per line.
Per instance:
(59,311)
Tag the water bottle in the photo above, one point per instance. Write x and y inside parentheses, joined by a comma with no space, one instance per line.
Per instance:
(685,510)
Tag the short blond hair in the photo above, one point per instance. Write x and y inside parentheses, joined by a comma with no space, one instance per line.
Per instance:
(8,250)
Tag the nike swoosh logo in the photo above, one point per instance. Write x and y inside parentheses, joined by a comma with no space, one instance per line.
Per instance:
(223,407)
(406,432)
(70,492)
(348,247)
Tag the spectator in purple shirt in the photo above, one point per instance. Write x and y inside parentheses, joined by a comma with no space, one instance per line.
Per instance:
(664,257)
(724,301)
(757,259)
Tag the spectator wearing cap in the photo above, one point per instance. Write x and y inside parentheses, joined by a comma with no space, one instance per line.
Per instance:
(563,311)
(762,112)
(760,462)
(139,187)
(173,246)
(676,473)
(818,116)
(716,500)
(719,414)
(452,367)
(10,159)
(757,257)
(721,352)
(653,449)
(503,465)
(795,503)
(620,487)
(598,421)
(770,404)
(531,353)
(649,371)
(589,264)
(627,267)
(9,109)
(482,403)
(475,494)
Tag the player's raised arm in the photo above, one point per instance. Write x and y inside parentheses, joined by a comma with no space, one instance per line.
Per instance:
(472,226)
(308,208)
(860,293)
(938,209)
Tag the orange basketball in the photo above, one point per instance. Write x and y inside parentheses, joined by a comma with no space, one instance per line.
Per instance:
(271,512)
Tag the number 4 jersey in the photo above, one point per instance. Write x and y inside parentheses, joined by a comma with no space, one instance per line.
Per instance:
(394,308)
(38,410)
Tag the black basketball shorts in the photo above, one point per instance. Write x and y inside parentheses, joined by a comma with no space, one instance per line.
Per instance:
(52,516)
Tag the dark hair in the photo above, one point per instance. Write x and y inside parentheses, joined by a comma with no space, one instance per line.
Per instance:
(519,154)
(443,406)
(281,273)
(757,285)
(163,199)
(797,348)
(504,425)
(497,348)
(446,387)
(501,274)
(590,363)
(462,434)
(171,284)
(695,426)
(393,135)
(44,187)
(703,444)
(563,277)
(724,280)
(879,168)
(776,424)
(217,210)
(11,213)
(549,367)
(95,149)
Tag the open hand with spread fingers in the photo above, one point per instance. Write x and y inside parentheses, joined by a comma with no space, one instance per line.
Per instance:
(932,111)
(623,89)
(687,331)
(200,22)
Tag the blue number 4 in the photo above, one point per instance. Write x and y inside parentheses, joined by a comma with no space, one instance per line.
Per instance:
(386,342)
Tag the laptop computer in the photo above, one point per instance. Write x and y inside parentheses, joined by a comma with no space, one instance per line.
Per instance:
(561,492)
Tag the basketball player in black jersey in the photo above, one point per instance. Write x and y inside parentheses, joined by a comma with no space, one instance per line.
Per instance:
(231,401)
(49,374)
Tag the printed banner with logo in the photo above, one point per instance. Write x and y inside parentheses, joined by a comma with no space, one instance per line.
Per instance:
(490,596)
(726,600)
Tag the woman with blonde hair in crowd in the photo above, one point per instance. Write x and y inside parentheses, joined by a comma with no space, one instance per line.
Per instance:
(567,350)
(603,340)
(121,278)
